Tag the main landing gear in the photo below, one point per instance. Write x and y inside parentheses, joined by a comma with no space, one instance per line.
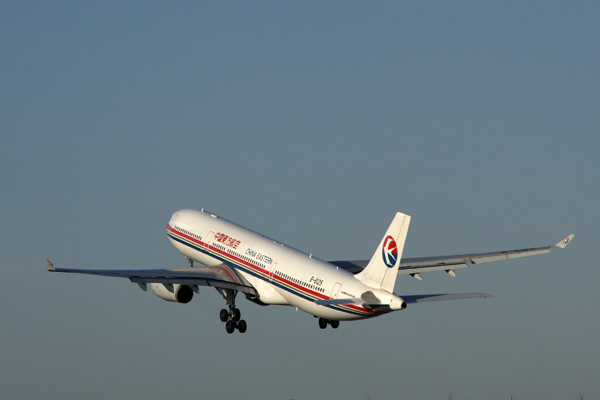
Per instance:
(232,317)
(323,323)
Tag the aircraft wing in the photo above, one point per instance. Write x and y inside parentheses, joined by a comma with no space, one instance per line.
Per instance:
(218,276)
(414,266)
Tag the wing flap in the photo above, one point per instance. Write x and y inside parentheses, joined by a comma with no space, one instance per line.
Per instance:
(198,282)
(218,276)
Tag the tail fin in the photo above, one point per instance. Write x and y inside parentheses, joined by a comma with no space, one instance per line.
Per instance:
(382,270)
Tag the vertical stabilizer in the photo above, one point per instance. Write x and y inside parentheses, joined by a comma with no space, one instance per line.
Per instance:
(382,270)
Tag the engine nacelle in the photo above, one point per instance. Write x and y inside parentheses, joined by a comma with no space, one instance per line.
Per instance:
(173,292)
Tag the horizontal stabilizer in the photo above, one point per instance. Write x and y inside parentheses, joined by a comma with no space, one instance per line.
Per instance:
(366,303)
(423,298)
(339,302)
(419,298)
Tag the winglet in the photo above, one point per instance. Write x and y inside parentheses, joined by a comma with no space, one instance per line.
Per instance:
(563,243)
(50,265)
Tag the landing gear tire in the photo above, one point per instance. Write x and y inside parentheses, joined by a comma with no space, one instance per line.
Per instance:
(232,316)
(334,324)
(230,326)
(322,323)
(224,315)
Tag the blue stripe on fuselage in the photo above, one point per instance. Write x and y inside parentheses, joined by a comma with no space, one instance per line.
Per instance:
(295,292)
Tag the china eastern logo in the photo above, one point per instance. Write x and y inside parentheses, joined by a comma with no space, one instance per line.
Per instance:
(389,252)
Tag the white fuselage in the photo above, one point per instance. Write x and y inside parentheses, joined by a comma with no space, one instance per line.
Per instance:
(280,274)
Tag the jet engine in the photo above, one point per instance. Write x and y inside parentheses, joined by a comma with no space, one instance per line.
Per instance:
(173,292)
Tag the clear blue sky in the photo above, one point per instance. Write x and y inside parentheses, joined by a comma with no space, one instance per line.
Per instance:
(312,123)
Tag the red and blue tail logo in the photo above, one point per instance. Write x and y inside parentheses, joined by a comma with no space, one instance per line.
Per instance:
(389,252)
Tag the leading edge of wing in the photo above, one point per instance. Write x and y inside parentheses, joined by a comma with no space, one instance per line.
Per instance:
(441,263)
(221,276)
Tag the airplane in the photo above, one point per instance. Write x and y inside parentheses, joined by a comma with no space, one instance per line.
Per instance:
(236,259)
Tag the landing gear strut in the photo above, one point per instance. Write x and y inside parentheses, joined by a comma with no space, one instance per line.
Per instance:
(232,317)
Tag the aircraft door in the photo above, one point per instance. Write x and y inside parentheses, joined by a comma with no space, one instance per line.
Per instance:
(209,237)
(272,270)
(336,290)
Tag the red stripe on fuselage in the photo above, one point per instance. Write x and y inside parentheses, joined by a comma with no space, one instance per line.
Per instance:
(264,272)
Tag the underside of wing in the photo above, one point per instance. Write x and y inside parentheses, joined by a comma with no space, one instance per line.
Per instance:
(218,276)
(415,266)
